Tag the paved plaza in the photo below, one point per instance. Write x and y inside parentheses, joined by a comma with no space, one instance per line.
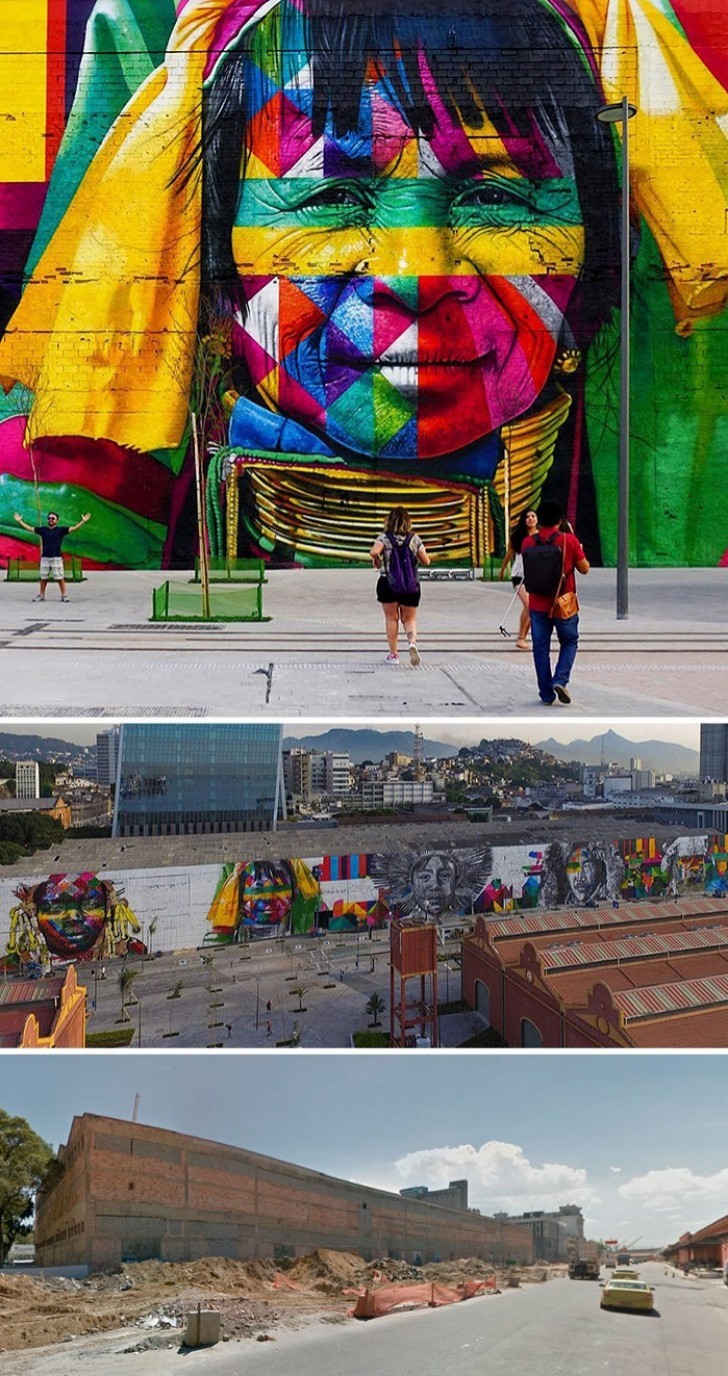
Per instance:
(230,987)
(322,652)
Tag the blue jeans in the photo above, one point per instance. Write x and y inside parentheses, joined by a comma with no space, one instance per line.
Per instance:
(567,633)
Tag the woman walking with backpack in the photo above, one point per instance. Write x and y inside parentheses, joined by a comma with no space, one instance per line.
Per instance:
(397,551)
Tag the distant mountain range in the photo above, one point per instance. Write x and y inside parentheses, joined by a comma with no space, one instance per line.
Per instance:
(369,745)
(662,756)
(16,746)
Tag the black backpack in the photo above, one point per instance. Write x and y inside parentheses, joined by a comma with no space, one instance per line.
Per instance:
(542,565)
(401,567)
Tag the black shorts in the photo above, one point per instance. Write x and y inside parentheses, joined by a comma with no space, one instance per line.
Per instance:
(516,582)
(405,599)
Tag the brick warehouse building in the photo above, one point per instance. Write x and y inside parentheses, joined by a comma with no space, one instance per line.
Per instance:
(128,1192)
(645,974)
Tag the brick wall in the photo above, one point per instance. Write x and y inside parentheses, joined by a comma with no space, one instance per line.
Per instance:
(143,1192)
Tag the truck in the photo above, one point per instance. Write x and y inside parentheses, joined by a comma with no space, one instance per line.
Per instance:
(584,1261)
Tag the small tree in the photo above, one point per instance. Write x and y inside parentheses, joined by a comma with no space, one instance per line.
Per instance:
(177,990)
(24,1161)
(375,1006)
(151,929)
(126,979)
(300,991)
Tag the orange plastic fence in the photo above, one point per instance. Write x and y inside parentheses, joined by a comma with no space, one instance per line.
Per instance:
(372,1304)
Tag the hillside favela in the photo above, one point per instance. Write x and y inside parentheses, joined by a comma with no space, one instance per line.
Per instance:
(200,885)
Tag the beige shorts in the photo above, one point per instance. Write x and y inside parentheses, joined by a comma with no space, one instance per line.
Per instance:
(51,569)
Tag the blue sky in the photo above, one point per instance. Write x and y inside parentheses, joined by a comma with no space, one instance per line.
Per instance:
(638,1141)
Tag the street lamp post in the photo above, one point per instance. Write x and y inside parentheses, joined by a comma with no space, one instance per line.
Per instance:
(621,113)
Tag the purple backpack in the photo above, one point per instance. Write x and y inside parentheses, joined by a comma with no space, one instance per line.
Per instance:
(401,567)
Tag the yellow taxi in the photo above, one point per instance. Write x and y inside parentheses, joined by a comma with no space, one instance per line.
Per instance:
(625,1273)
(628,1294)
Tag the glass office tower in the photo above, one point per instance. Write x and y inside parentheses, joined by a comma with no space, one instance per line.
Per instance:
(192,778)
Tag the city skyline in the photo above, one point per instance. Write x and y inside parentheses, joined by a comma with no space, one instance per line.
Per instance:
(528,1132)
(460,732)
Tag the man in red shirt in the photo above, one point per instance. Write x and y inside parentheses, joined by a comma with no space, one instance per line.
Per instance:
(540,605)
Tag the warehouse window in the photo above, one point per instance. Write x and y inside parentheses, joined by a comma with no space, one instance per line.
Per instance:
(530,1035)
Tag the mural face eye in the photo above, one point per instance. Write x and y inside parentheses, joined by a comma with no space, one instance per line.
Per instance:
(413,306)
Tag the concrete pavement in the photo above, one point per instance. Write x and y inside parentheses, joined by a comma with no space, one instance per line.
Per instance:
(233,986)
(322,652)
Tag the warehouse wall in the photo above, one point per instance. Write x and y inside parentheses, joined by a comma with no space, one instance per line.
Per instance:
(145,1192)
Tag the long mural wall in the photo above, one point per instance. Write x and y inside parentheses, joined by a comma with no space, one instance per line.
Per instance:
(100,913)
(374,247)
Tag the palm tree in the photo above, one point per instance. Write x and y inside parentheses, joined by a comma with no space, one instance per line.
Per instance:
(177,990)
(126,979)
(375,1006)
(300,991)
(151,929)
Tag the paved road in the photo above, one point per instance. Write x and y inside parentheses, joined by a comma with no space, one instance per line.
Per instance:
(556,1329)
(322,653)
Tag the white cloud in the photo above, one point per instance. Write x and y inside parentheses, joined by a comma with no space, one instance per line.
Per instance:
(500,1177)
(616,1169)
(668,1191)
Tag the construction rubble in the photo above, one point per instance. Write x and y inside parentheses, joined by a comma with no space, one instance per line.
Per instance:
(255,1298)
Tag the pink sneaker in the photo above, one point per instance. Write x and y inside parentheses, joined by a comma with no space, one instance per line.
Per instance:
(392,659)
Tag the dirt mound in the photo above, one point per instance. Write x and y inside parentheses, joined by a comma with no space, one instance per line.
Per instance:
(15,1288)
(326,1271)
(220,1274)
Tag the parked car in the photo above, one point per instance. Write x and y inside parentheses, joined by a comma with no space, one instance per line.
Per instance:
(628,1294)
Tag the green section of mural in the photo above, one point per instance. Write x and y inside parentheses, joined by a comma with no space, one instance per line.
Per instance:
(678,430)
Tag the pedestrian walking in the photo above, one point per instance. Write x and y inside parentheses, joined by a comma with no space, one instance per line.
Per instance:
(269,1028)
(51,545)
(397,552)
(550,558)
(527,524)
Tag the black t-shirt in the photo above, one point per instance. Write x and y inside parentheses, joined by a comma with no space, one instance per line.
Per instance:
(51,538)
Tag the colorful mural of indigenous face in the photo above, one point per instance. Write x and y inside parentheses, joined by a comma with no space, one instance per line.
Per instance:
(375,245)
(76,918)
(261,897)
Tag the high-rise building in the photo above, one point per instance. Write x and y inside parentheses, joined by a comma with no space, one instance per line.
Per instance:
(27,779)
(197,778)
(107,749)
(338,771)
(714,751)
(297,772)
